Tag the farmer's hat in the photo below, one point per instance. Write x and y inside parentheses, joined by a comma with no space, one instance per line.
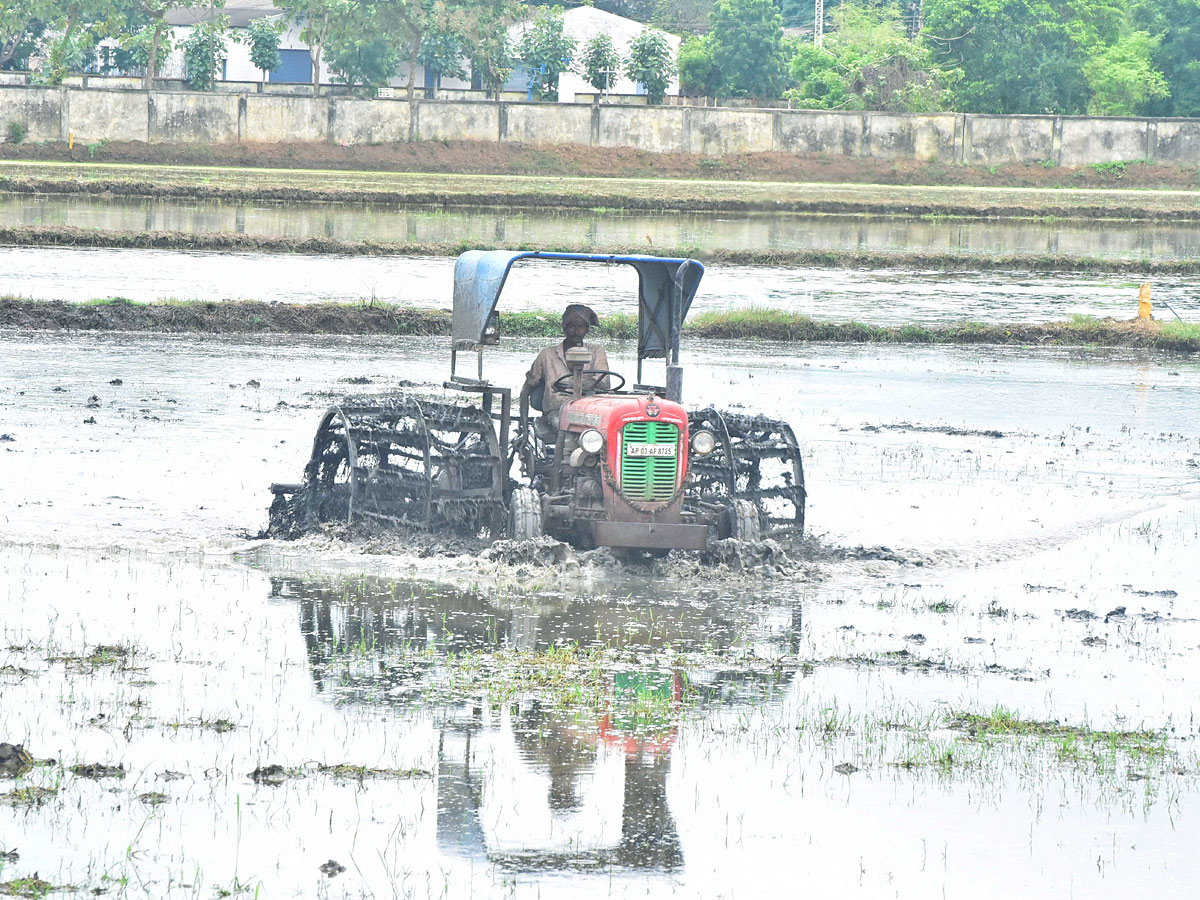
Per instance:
(578,310)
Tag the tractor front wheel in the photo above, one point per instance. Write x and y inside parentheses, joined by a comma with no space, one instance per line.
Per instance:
(524,515)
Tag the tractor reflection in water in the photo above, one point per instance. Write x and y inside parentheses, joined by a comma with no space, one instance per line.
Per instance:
(527,784)
(570,827)
(628,469)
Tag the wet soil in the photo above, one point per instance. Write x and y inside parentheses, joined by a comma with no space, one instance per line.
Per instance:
(480,157)
(237,317)
(1001,703)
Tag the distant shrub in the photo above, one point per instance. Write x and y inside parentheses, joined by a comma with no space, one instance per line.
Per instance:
(16,132)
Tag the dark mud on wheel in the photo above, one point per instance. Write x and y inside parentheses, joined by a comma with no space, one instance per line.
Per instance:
(399,461)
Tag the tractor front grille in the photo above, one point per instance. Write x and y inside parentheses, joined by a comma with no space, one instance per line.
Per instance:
(644,476)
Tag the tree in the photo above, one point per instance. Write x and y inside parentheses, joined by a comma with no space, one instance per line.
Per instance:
(154,39)
(684,16)
(316,18)
(1122,76)
(22,25)
(1019,56)
(649,63)
(484,27)
(748,47)
(442,50)
(204,52)
(73,28)
(868,62)
(546,50)
(1176,23)
(263,38)
(599,61)
(360,56)
(491,60)
(698,73)
(639,10)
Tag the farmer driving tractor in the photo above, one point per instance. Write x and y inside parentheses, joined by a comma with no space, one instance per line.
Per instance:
(550,366)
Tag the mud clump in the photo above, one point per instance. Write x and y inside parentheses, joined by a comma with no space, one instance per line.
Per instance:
(14,760)
(545,551)
(98,770)
(272,775)
(936,429)
(765,556)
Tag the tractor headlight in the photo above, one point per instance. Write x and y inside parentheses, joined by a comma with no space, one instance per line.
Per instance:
(592,441)
(704,442)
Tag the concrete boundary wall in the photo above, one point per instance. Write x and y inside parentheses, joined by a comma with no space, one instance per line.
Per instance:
(90,115)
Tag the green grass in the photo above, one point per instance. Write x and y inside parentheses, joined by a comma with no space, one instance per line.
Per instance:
(1072,741)
(29,887)
(1182,331)
(746,324)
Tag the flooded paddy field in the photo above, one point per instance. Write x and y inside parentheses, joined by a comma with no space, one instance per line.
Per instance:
(888,296)
(607,228)
(819,189)
(974,678)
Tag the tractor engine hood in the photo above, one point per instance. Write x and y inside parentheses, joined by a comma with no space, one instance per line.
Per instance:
(608,413)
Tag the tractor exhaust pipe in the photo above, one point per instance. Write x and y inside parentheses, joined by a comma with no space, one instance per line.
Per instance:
(675,383)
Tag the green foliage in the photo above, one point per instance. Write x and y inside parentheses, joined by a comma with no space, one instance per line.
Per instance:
(263,38)
(683,16)
(442,51)
(1122,76)
(1019,56)
(16,132)
(748,47)
(650,63)
(22,28)
(639,10)
(867,62)
(360,57)
(546,49)
(1176,23)
(698,72)
(491,60)
(599,62)
(204,52)
(318,19)
(484,28)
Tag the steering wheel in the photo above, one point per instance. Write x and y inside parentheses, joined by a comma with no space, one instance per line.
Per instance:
(561,385)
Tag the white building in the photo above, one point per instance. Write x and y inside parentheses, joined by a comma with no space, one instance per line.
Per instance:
(582,23)
(586,22)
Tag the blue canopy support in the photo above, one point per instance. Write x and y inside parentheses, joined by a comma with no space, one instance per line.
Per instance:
(665,292)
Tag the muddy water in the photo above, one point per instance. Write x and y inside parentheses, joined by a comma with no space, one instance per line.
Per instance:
(774,728)
(182,450)
(744,730)
(706,231)
(881,296)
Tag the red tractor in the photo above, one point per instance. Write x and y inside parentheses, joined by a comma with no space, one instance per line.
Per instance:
(627,469)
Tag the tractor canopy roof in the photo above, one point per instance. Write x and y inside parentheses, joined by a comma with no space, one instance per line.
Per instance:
(665,291)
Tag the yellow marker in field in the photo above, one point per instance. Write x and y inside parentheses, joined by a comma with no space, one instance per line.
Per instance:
(1144,302)
(70,140)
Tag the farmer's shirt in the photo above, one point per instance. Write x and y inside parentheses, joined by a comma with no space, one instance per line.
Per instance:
(551,365)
